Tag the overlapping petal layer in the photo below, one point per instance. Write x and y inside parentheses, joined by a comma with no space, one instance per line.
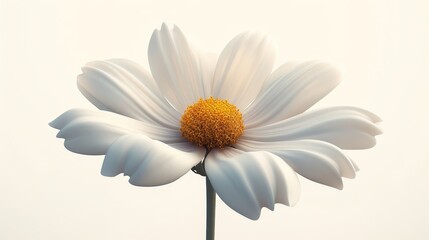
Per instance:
(291,90)
(149,162)
(318,161)
(248,181)
(182,72)
(122,87)
(92,132)
(345,127)
(242,68)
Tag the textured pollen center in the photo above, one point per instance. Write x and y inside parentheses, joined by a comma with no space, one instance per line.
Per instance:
(212,123)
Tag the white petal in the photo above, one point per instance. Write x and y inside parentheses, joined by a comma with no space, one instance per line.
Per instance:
(284,69)
(179,69)
(345,127)
(123,87)
(318,161)
(248,181)
(242,68)
(92,132)
(355,166)
(207,67)
(149,162)
(290,91)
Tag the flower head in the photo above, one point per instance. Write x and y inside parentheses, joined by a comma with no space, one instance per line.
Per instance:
(248,122)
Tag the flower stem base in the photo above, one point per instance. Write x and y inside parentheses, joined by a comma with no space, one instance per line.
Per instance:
(211,210)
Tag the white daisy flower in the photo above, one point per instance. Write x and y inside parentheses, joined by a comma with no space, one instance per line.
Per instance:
(229,117)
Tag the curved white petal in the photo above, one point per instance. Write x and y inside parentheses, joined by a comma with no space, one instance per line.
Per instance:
(290,91)
(92,132)
(242,68)
(149,162)
(248,181)
(355,166)
(207,68)
(123,87)
(284,69)
(183,74)
(318,161)
(345,127)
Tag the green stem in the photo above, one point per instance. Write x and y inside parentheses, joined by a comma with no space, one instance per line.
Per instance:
(211,210)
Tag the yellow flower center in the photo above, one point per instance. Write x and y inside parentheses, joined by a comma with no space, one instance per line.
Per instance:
(212,123)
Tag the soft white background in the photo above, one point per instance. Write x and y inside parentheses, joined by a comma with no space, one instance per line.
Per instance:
(47,192)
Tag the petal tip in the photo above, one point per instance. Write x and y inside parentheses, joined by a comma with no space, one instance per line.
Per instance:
(379,130)
(376,118)
(353,175)
(60,135)
(253,216)
(106,172)
(165,29)
(339,185)
(54,124)
(292,202)
(164,25)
